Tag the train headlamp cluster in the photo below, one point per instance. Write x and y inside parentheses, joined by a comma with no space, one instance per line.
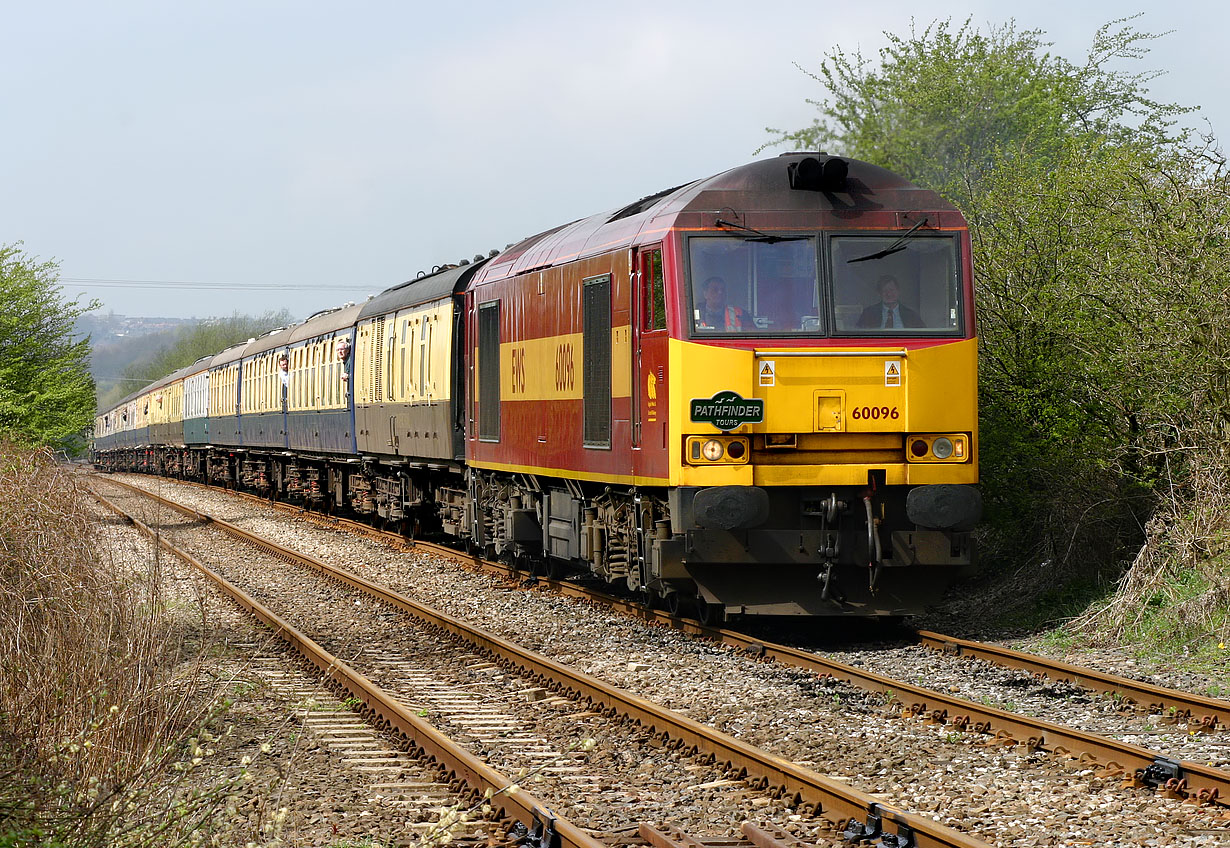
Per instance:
(946,447)
(716,450)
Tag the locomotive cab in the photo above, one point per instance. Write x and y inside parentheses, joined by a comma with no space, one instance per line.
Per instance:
(825,398)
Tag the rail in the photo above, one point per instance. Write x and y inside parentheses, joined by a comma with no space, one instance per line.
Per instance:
(459,763)
(842,805)
(1200,782)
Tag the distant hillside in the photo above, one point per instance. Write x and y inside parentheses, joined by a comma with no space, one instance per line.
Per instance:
(117,341)
(129,353)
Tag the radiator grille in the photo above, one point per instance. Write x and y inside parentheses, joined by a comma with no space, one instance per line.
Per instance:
(489,371)
(596,385)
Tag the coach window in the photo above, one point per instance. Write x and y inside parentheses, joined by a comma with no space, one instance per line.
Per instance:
(331,356)
(423,353)
(890,285)
(402,389)
(299,377)
(314,386)
(317,367)
(414,360)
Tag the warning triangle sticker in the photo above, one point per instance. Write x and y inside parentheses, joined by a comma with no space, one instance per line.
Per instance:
(892,370)
(766,369)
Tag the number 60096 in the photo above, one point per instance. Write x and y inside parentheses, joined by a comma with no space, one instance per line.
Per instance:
(874,413)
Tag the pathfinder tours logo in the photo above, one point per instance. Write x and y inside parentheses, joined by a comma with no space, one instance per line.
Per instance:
(728,410)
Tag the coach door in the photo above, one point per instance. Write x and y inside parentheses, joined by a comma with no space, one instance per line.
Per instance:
(649,358)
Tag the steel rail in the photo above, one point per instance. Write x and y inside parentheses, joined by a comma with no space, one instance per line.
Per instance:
(1205,783)
(842,805)
(1207,712)
(389,713)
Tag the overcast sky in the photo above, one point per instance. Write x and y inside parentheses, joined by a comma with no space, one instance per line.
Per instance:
(324,151)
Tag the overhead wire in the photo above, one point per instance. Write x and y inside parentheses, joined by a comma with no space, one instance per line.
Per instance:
(91,282)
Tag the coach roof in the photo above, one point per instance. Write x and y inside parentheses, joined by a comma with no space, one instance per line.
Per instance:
(329,321)
(268,341)
(441,284)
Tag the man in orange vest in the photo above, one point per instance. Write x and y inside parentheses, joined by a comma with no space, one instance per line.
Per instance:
(715,314)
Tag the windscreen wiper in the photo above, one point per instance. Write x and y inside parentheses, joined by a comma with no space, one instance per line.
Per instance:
(892,248)
(763,237)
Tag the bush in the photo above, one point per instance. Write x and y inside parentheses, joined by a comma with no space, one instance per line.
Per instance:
(95,700)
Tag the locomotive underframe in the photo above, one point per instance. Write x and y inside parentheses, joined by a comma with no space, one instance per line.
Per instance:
(815,551)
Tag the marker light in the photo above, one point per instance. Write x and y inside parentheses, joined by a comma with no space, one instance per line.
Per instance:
(942,448)
(712,450)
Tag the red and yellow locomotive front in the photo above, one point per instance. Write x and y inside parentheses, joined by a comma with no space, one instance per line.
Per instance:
(757,392)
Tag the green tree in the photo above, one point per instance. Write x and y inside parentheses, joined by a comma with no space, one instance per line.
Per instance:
(947,106)
(46,392)
(1102,238)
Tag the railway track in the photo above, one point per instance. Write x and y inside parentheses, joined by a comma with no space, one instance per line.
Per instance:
(846,810)
(1116,761)
(1202,713)
(386,713)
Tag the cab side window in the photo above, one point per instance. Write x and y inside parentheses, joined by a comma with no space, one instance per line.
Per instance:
(653,292)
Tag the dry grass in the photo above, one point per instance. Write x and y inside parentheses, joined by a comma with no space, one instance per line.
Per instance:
(1175,597)
(96,699)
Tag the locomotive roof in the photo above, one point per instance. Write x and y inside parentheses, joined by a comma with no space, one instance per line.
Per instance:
(759,186)
(325,322)
(434,286)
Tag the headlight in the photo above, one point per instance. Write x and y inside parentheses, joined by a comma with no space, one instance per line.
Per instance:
(716,450)
(951,447)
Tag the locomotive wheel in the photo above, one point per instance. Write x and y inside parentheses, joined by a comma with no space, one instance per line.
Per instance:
(672,602)
(709,614)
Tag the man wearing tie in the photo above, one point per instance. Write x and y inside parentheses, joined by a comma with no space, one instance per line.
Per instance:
(889,313)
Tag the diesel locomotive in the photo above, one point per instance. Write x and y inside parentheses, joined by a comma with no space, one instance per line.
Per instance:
(753,394)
